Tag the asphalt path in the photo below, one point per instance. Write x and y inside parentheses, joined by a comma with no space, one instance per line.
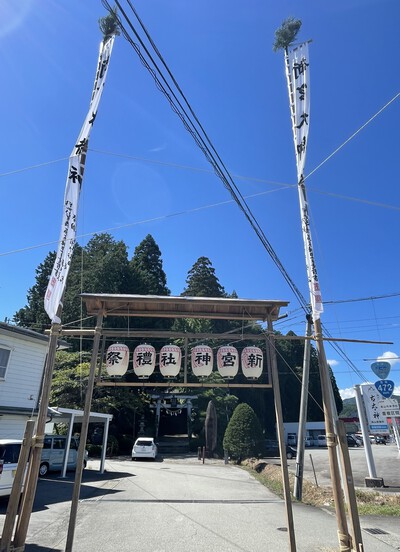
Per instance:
(386,459)
(181,505)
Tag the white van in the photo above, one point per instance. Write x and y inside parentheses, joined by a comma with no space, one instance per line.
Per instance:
(321,440)
(51,459)
(53,454)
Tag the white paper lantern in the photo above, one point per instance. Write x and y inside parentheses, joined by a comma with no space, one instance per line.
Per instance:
(170,360)
(117,359)
(144,360)
(202,361)
(252,362)
(228,361)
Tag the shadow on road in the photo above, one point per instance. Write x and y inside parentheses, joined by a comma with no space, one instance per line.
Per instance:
(53,489)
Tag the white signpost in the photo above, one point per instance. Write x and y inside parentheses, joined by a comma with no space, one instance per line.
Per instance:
(377,423)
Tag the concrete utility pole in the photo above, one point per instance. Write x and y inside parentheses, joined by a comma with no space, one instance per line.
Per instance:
(373,480)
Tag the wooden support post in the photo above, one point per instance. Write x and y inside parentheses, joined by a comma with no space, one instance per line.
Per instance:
(15,496)
(331,441)
(83,435)
(34,463)
(281,437)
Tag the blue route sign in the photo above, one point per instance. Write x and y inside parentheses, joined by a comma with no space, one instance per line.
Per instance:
(381,369)
(385,387)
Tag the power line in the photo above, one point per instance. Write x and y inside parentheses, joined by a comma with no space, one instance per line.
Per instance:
(201,139)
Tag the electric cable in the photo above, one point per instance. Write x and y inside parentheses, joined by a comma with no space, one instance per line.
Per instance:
(210,154)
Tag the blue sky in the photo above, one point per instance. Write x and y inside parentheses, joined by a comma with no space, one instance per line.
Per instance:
(143,167)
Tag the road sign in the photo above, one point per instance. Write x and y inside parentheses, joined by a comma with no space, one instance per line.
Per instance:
(381,369)
(385,387)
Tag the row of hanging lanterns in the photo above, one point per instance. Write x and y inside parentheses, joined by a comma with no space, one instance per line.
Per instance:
(170,358)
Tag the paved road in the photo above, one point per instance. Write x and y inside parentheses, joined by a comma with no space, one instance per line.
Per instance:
(180,506)
(386,458)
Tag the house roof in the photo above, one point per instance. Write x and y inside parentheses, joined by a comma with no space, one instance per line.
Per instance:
(182,307)
(9,329)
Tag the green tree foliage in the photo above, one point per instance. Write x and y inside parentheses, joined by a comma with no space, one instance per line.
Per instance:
(148,275)
(243,437)
(100,267)
(286,34)
(33,314)
(201,280)
(70,380)
(109,24)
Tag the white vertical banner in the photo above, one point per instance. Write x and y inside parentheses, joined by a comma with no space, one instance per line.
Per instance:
(297,73)
(76,167)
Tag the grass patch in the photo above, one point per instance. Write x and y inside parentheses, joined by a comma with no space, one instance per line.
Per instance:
(368,502)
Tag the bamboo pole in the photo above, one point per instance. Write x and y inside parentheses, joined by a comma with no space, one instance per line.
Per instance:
(298,482)
(37,444)
(281,437)
(83,435)
(15,496)
(331,441)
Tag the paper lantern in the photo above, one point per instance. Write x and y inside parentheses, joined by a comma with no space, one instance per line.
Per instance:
(144,360)
(117,359)
(170,360)
(202,361)
(228,361)
(252,362)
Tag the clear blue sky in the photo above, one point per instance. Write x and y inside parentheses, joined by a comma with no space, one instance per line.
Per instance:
(221,55)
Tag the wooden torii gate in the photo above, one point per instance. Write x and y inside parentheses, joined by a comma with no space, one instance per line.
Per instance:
(149,306)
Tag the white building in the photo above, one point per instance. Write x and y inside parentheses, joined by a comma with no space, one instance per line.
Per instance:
(22,359)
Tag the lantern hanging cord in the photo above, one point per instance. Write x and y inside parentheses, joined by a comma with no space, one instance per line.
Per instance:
(200,137)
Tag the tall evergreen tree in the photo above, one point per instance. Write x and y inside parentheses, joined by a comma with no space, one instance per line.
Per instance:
(106,266)
(148,276)
(100,267)
(33,314)
(202,281)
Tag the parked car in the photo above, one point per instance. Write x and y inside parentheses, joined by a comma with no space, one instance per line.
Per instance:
(292,439)
(308,441)
(380,440)
(53,454)
(321,441)
(352,441)
(9,454)
(144,447)
(51,459)
(272,449)
(291,452)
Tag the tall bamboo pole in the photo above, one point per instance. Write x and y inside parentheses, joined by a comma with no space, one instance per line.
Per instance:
(37,444)
(83,434)
(280,432)
(331,441)
(298,482)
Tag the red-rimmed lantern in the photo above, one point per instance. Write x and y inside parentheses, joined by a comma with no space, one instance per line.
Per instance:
(170,360)
(144,360)
(228,361)
(202,361)
(117,359)
(252,362)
